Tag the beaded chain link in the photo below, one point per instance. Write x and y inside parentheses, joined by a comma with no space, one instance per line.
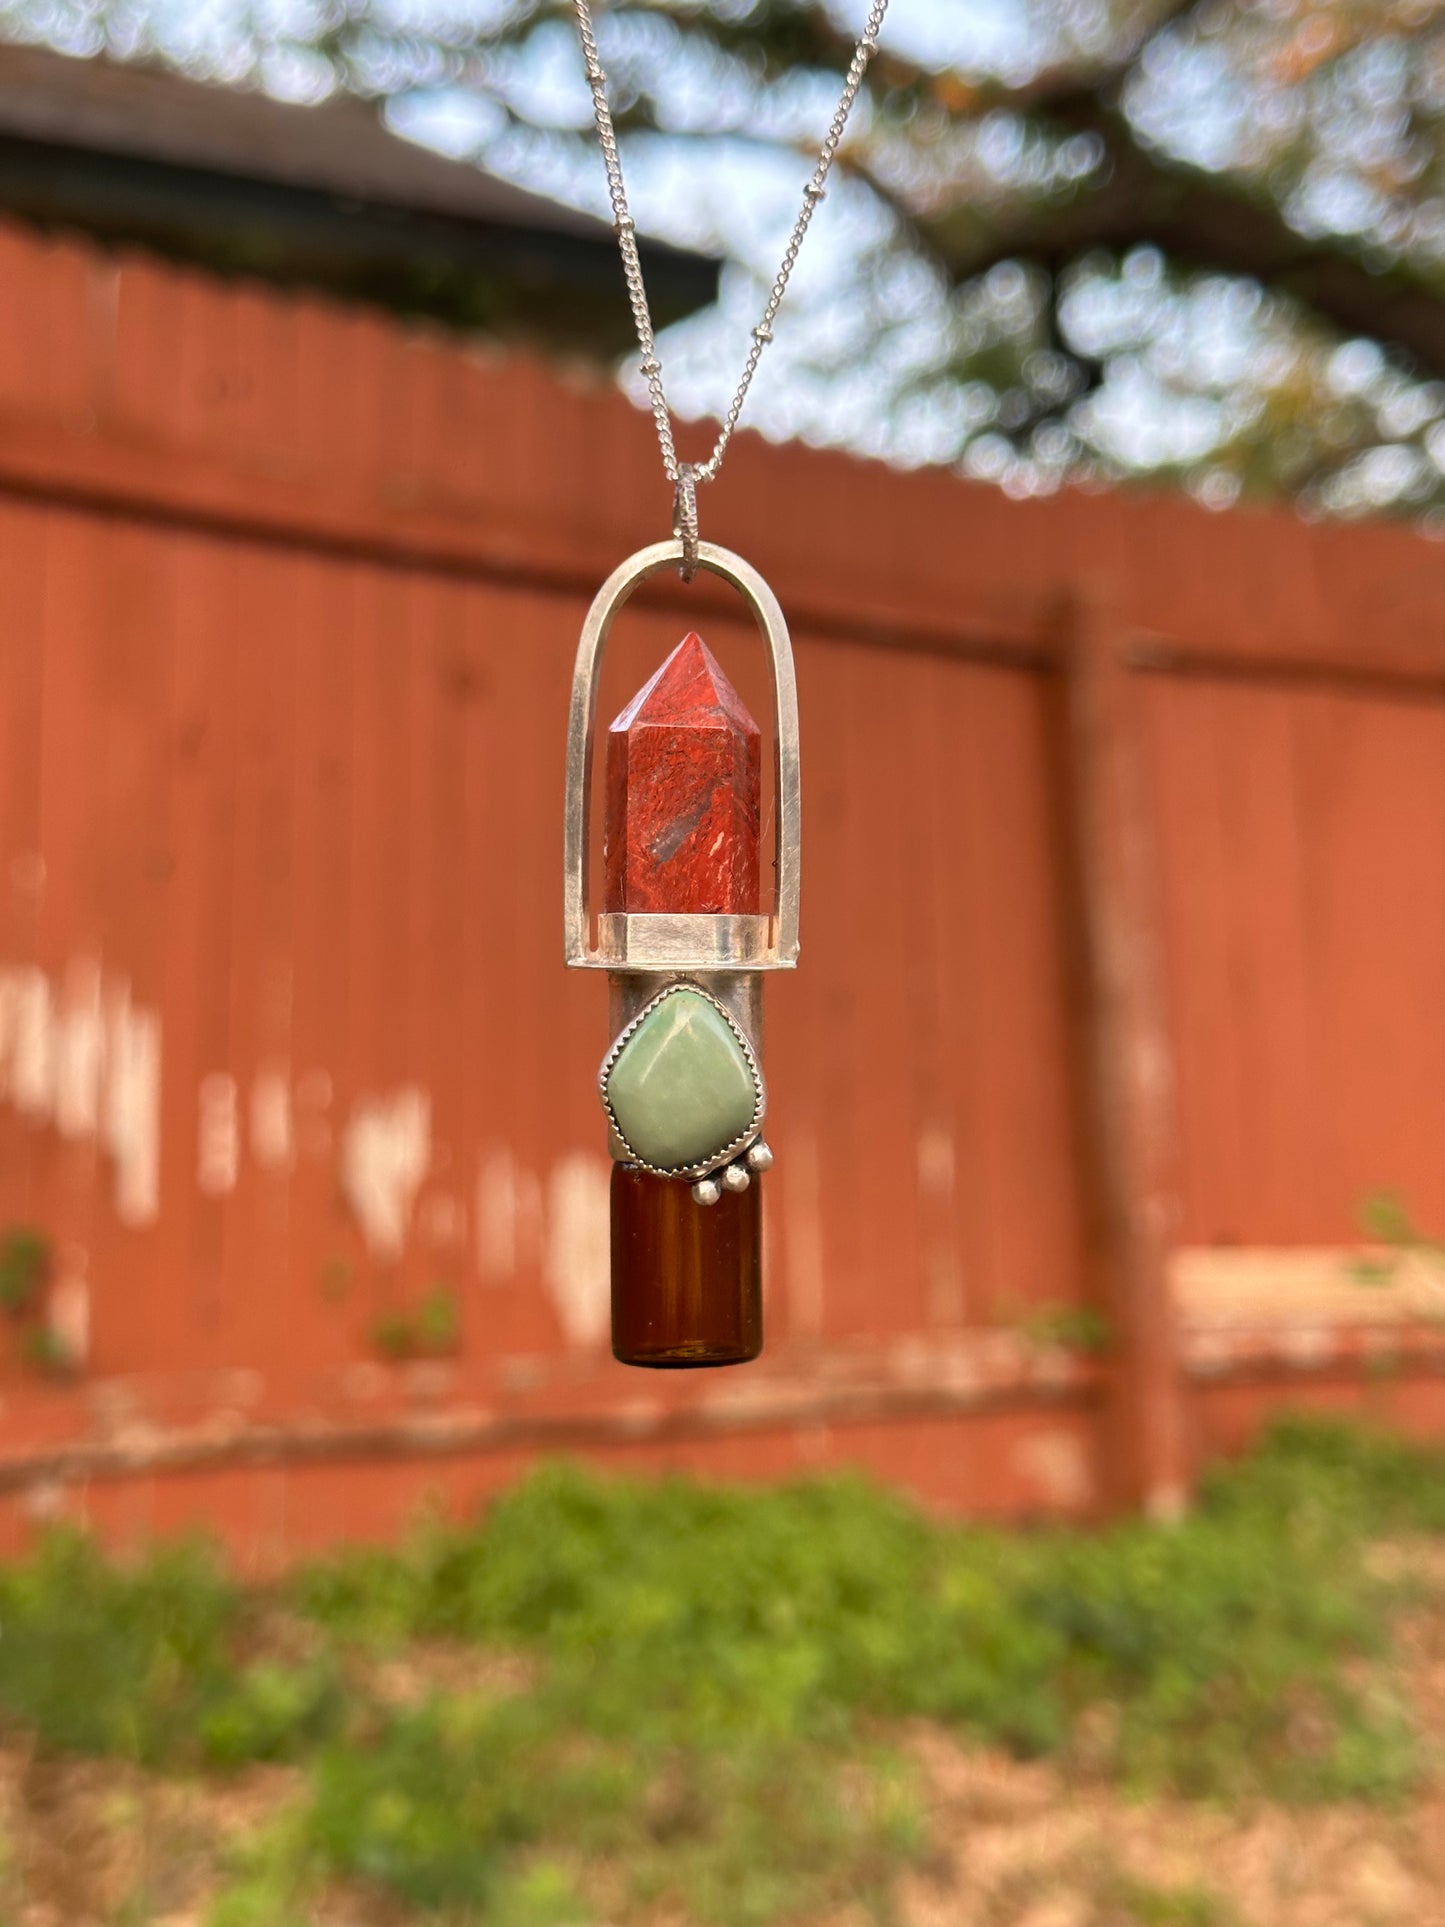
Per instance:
(687,477)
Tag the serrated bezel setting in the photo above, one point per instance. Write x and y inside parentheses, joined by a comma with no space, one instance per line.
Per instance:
(688,1173)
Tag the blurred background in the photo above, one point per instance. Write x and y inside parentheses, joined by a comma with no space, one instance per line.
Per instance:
(1072,1556)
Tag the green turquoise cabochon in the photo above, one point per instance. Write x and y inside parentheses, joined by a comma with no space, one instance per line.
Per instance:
(681,1089)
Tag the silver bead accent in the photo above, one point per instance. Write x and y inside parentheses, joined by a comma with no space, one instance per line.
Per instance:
(706,1191)
(736,1177)
(762,332)
(760,1156)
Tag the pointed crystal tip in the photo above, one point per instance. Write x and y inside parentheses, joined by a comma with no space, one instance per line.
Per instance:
(690,689)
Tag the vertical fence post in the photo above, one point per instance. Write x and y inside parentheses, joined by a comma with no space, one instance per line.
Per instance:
(1128,1071)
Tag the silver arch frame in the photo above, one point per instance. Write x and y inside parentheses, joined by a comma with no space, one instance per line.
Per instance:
(671,944)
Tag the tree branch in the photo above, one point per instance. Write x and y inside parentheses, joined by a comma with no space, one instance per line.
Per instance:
(1141,197)
(1201,221)
(1054,90)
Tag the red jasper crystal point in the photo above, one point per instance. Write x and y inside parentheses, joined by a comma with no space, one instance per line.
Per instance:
(683,793)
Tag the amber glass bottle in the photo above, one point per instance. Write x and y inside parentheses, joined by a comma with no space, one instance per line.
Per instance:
(687,1279)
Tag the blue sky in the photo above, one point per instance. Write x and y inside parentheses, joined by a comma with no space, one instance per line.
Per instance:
(867,324)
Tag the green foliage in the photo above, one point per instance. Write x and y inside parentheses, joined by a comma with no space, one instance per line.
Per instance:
(24,1262)
(96,1660)
(712,1676)
(46,1352)
(391,1335)
(1137,1901)
(796,1614)
(272,1710)
(276,1874)
(144,1663)
(24,1270)
(1385,1218)
(271,1878)
(433,1330)
(1055,1324)
(1349,1484)
(438,1323)
(438,1802)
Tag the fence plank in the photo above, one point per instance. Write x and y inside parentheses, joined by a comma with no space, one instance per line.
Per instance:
(1131,1060)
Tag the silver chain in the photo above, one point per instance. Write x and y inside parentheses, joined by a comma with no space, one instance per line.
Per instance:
(686,477)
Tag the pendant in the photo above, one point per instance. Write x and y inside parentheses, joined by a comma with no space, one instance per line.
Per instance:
(685,942)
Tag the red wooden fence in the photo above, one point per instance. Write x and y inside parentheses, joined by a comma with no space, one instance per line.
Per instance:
(289,1065)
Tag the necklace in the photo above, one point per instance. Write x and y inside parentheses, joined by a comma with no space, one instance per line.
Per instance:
(687,477)
(682,933)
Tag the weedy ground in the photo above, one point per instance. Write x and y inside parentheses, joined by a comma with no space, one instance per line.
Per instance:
(617,1702)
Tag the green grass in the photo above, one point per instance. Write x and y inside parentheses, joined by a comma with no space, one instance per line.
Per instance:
(1135,1901)
(718,1678)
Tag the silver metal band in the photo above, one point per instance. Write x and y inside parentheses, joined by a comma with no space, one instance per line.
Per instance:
(665,946)
(684,517)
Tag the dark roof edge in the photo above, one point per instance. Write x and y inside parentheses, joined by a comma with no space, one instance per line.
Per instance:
(318,197)
(464,273)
